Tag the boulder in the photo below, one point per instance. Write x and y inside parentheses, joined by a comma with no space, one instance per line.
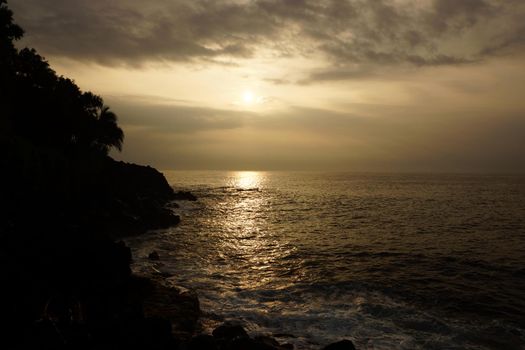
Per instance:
(229,331)
(176,304)
(341,345)
(154,256)
(251,344)
(267,340)
(202,342)
(184,196)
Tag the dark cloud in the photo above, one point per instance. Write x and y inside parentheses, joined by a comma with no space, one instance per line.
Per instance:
(380,32)
(340,74)
(131,32)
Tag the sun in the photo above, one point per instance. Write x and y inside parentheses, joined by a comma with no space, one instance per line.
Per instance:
(248,97)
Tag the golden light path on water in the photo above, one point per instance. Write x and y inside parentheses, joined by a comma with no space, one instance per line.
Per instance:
(253,246)
(327,256)
(248,180)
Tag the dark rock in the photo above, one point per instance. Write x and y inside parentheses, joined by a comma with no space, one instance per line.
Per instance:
(250,344)
(184,196)
(341,345)
(284,335)
(154,256)
(158,330)
(61,309)
(267,340)
(229,331)
(130,199)
(180,307)
(172,205)
(202,342)
(43,335)
(162,273)
(138,181)
(287,346)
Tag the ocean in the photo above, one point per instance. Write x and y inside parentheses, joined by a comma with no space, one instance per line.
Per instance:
(389,261)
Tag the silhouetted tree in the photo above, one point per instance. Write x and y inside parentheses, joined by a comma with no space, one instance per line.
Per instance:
(107,131)
(60,195)
(8,32)
(46,109)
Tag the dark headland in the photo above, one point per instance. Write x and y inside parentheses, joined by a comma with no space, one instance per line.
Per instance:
(64,205)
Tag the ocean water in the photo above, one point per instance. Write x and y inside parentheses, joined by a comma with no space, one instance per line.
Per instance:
(388,261)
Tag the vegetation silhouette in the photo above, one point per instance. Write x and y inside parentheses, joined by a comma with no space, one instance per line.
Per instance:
(63,199)
(50,110)
(55,144)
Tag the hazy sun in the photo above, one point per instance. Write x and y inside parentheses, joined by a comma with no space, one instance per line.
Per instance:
(248,97)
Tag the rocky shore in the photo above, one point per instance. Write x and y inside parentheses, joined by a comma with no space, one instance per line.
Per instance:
(67,281)
(180,307)
(68,287)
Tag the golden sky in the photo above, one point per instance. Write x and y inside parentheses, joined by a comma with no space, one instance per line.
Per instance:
(384,85)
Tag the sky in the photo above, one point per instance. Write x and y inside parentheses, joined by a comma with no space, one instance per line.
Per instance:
(346,85)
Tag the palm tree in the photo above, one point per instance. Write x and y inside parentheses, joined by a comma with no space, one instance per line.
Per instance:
(107,133)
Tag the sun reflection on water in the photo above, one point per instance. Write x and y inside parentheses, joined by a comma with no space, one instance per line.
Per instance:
(247,180)
(247,237)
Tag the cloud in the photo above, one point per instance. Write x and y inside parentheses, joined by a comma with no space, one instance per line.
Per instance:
(133,32)
(166,117)
(381,32)
(354,72)
(278,81)
(378,137)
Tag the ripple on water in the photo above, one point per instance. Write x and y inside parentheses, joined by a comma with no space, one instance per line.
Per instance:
(390,261)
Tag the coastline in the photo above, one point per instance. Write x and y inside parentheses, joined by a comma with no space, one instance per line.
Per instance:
(226,258)
(70,284)
(165,300)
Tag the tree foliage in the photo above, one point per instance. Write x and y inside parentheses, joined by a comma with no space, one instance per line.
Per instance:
(45,109)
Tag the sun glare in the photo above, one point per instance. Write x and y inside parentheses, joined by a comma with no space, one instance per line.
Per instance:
(248,97)
(246,180)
